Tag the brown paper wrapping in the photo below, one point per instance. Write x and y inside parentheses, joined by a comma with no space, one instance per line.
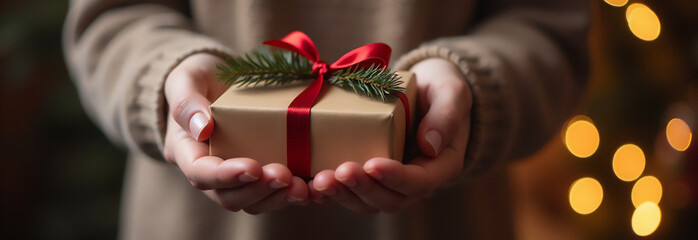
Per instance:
(345,126)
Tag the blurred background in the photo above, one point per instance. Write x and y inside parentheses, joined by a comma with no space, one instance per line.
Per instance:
(624,167)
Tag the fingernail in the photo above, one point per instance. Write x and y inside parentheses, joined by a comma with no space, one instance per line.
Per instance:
(375,174)
(197,124)
(291,199)
(434,139)
(246,177)
(349,182)
(276,184)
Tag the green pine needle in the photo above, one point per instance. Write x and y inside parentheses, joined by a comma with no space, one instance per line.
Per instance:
(273,66)
(371,82)
(265,66)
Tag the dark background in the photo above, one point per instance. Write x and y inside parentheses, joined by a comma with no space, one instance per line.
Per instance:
(61,178)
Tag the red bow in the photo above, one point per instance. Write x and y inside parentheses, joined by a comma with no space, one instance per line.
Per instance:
(298,113)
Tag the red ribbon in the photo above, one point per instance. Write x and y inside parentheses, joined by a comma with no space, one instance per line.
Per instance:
(298,112)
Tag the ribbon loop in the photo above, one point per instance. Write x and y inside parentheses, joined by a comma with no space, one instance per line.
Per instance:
(376,54)
(297,42)
(298,112)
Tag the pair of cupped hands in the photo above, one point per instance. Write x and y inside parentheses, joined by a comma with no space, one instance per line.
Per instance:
(378,185)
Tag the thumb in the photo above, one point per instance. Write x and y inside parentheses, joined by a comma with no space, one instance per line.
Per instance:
(447,108)
(188,105)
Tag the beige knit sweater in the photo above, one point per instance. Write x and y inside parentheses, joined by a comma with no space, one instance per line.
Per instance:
(524,60)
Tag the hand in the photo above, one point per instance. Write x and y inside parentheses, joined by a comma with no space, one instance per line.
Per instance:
(388,185)
(235,184)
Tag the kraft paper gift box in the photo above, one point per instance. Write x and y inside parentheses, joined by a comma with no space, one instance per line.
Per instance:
(345,126)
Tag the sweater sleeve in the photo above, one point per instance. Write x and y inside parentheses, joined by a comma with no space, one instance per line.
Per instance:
(119,53)
(526,65)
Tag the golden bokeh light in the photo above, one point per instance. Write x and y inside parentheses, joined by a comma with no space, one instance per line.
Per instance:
(582,138)
(586,195)
(631,8)
(646,218)
(646,189)
(616,3)
(628,162)
(570,121)
(678,133)
(643,22)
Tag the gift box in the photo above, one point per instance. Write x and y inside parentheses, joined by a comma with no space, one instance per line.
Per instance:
(344,126)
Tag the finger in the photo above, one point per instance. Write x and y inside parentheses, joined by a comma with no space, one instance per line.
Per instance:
(176,140)
(274,178)
(368,190)
(216,89)
(313,194)
(326,183)
(210,172)
(295,193)
(300,194)
(411,180)
(203,171)
(449,164)
(234,172)
(419,178)
(186,93)
(316,196)
(448,103)
(191,157)
(423,174)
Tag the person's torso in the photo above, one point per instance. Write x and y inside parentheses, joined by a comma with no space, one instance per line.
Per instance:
(336,26)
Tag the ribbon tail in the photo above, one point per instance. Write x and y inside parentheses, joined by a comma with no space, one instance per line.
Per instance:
(408,116)
(298,129)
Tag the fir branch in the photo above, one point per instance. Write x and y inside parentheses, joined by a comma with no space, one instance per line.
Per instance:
(273,66)
(265,66)
(372,82)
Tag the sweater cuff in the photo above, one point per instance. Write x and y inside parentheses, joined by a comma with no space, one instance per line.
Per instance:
(148,119)
(490,128)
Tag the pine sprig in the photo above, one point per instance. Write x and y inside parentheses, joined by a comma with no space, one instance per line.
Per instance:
(273,66)
(265,66)
(372,82)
